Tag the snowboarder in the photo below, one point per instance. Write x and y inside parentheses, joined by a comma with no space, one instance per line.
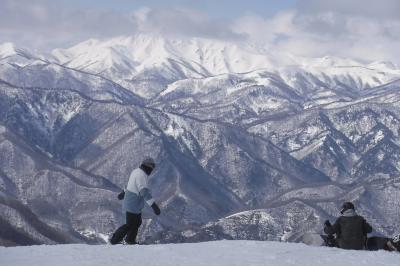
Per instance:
(351,229)
(134,196)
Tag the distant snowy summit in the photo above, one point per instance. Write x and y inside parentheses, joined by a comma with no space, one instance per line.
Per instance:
(7,49)
(203,56)
(144,57)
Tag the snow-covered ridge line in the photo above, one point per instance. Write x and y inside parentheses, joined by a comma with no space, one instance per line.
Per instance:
(147,64)
(207,253)
(217,56)
(143,51)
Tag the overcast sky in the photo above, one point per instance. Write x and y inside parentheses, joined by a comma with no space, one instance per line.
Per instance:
(361,29)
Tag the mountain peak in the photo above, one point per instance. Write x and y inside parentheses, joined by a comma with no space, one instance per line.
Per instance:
(330,61)
(7,49)
(194,57)
(384,65)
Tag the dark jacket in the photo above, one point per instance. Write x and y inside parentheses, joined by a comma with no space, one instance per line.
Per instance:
(351,230)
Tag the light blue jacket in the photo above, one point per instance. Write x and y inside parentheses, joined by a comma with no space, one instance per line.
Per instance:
(137,192)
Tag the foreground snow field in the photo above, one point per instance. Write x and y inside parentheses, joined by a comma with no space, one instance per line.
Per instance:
(206,253)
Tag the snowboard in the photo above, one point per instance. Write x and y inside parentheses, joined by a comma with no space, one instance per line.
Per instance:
(377,243)
(123,243)
(372,243)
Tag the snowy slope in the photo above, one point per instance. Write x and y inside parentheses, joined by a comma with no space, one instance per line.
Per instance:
(208,253)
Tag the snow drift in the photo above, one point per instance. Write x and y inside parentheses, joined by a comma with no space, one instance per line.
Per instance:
(206,253)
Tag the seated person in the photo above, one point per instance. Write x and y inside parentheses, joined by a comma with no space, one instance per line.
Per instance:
(351,229)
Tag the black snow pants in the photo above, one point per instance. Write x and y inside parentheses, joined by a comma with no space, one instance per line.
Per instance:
(130,229)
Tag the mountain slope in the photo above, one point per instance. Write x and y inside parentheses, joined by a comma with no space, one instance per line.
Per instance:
(89,142)
(249,145)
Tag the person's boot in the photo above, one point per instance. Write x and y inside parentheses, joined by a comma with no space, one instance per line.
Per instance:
(331,241)
(114,240)
(130,242)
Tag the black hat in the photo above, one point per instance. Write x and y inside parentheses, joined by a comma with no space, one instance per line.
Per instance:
(347,206)
(149,162)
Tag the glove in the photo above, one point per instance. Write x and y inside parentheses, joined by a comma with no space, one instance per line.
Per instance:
(155,208)
(121,195)
(327,223)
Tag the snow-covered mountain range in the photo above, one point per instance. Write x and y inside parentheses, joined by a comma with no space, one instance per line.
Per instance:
(250,143)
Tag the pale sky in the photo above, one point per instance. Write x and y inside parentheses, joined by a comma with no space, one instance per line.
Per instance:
(214,8)
(360,29)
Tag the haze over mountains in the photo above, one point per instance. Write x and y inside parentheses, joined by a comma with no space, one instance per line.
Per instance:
(251,143)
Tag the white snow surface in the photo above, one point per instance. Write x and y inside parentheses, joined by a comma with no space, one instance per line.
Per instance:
(207,253)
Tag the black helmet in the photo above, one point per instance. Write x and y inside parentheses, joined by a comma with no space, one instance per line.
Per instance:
(347,206)
(149,162)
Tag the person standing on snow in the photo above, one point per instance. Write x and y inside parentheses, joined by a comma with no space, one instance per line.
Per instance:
(351,229)
(134,196)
